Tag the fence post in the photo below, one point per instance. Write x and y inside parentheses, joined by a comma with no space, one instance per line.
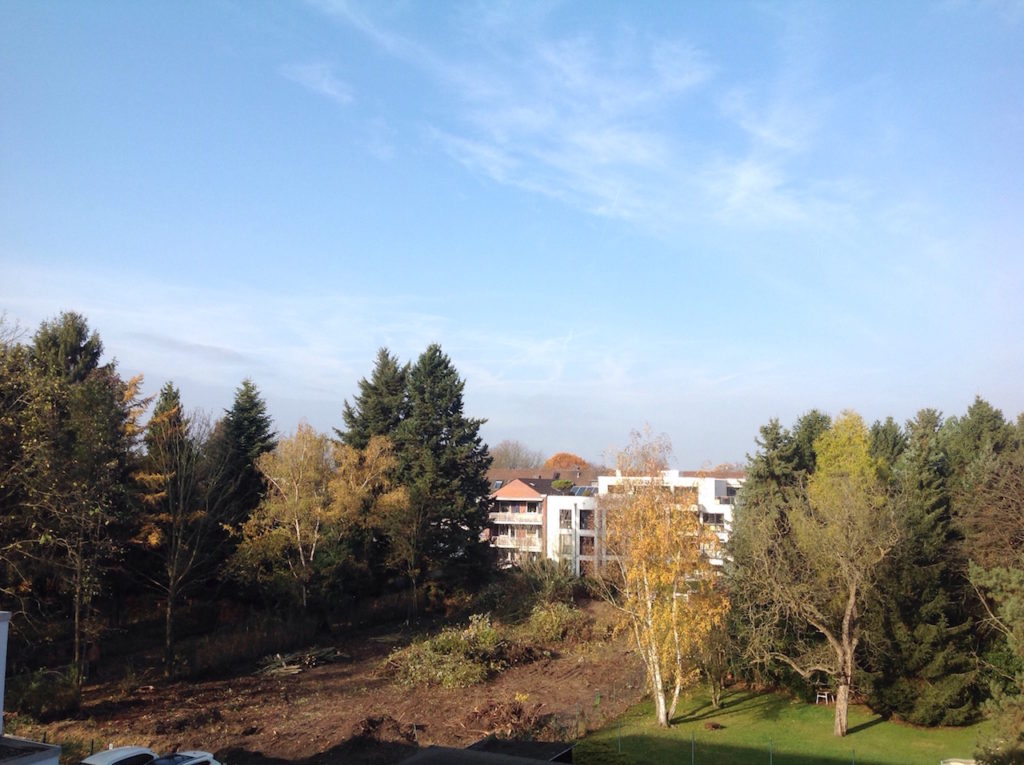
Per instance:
(771,751)
(691,748)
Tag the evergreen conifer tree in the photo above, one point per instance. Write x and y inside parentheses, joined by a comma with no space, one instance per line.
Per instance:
(380,406)
(443,463)
(887,443)
(920,634)
(244,434)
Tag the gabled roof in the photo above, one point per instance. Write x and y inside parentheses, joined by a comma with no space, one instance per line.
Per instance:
(527,488)
(581,476)
(736,474)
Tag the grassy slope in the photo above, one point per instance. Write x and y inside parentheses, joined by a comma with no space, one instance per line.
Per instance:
(800,733)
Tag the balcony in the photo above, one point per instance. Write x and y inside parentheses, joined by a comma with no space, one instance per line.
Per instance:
(519,519)
(526,544)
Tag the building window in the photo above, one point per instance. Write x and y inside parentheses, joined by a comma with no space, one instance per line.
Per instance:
(714,519)
(586,545)
(587,520)
(565,518)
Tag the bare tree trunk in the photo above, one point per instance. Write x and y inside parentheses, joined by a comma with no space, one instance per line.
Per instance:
(658,687)
(842,707)
(715,683)
(169,633)
(76,661)
(843,689)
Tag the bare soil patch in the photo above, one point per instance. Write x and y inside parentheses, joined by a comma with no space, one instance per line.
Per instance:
(347,711)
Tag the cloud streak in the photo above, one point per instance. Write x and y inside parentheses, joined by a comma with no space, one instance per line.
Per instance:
(320,78)
(610,127)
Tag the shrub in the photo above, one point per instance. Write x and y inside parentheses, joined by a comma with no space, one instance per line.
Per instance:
(456,658)
(44,695)
(550,581)
(515,592)
(557,622)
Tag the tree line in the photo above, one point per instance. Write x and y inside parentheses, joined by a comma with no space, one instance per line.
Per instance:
(106,511)
(885,561)
(881,562)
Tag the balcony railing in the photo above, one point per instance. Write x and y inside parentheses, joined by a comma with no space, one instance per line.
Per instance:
(529,544)
(529,519)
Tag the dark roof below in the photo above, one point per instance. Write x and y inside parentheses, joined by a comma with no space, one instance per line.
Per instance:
(441,755)
(582,477)
(548,751)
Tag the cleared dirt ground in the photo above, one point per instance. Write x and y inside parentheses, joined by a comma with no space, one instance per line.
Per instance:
(347,711)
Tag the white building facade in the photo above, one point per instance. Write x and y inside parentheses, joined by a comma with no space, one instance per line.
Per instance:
(710,494)
(530,518)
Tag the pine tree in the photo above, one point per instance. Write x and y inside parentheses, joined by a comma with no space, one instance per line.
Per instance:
(806,431)
(443,463)
(66,348)
(887,443)
(380,406)
(244,434)
(921,636)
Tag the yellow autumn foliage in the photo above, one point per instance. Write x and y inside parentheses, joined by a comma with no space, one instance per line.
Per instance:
(665,585)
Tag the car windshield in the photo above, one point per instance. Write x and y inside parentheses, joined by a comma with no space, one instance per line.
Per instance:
(139,758)
(172,759)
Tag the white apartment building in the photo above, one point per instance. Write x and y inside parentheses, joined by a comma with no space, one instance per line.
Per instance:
(530,518)
(711,494)
(574,531)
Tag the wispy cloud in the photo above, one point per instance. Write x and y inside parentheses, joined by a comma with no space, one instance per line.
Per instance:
(569,117)
(610,126)
(320,78)
(199,351)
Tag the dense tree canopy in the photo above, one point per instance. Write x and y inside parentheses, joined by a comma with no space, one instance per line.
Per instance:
(809,556)
(920,633)
(443,463)
(76,424)
(381,404)
(566,460)
(888,556)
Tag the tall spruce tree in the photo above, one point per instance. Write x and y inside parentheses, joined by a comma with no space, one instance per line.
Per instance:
(773,473)
(66,348)
(920,636)
(887,443)
(243,435)
(805,432)
(77,433)
(443,463)
(380,406)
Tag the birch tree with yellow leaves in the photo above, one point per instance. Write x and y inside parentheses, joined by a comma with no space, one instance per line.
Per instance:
(659,573)
(317,494)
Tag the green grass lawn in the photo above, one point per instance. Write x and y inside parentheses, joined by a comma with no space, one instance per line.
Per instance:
(798,733)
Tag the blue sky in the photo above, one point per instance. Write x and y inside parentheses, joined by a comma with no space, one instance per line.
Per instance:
(693,215)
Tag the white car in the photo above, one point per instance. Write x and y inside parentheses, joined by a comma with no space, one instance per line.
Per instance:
(186,758)
(139,755)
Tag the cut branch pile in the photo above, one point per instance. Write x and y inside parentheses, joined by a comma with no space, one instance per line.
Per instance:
(293,663)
